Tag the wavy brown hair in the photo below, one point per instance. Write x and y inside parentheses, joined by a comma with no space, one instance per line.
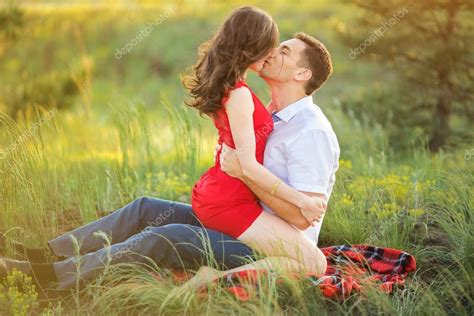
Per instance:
(247,35)
(316,57)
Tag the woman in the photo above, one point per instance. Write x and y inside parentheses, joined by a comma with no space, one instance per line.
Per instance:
(218,89)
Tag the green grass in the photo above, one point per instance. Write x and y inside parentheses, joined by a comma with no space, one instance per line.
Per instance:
(76,167)
(127,134)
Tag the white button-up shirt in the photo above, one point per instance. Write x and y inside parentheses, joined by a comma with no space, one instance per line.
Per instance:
(303,151)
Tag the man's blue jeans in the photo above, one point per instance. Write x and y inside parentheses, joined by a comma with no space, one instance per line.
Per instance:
(166,232)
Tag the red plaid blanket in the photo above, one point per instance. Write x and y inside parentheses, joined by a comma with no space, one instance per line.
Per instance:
(350,269)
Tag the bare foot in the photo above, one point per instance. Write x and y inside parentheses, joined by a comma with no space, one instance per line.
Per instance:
(203,277)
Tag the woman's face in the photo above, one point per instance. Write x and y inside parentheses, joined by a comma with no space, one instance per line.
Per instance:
(258,65)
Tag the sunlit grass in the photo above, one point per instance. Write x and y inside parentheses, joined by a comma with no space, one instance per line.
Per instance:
(76,167)
(129,135)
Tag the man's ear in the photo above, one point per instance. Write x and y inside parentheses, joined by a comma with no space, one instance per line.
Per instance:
(303,74)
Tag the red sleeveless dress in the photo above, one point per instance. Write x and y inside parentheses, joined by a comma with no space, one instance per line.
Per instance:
(224,203)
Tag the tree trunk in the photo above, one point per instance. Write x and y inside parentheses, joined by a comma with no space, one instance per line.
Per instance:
(441,113)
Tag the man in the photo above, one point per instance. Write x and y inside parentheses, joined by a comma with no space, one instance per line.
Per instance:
(302,150)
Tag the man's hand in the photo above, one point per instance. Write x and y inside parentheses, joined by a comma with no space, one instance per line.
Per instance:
(230,163)
(314,209)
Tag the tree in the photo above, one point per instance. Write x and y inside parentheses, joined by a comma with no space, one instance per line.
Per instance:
(20,90)
(11,26)
(430,46)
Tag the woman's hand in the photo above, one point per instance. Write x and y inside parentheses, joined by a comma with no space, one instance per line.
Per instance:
(313,209)
(230,162)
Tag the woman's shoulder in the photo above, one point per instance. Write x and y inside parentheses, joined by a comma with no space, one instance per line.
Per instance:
(240,83)
(240,92)
(240,95)
(240,88)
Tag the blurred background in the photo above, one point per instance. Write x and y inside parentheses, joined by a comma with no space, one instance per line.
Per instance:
(403,65)
(94,86)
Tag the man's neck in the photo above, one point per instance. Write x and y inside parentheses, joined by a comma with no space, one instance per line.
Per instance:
(285,95)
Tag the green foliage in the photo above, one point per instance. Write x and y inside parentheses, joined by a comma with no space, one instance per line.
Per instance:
(427,44)
(420,203)
(127,134)
(18,295)
(11,25)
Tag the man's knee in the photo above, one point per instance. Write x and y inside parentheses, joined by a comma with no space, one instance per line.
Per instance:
(159,212)
(146,201)
(180,243)
(175,233)
(152,211)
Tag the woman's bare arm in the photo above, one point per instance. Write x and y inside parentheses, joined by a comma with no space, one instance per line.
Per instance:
(240,110)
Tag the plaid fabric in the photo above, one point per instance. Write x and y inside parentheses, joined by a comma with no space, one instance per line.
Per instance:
(350,268)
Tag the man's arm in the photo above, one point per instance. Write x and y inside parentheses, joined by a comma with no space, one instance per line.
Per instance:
(239,109)
(289,212)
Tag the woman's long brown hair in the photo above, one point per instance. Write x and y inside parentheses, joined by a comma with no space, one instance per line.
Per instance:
(247,35)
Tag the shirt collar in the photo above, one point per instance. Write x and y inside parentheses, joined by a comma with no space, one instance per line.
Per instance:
(288,112)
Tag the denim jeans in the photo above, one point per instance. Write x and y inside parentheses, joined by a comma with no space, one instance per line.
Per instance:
(166,232)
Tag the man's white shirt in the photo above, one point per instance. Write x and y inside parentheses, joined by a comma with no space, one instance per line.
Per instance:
(304,152)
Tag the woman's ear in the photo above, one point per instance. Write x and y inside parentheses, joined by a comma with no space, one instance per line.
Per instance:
(303,74)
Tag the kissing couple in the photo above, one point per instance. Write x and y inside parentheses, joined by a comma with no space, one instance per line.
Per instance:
(266,193)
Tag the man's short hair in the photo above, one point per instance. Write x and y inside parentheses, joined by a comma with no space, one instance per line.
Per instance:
(316,58)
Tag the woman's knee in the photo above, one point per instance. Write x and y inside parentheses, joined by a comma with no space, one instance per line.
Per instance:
(314,259)
(284,240)
(323,264)
(304,250)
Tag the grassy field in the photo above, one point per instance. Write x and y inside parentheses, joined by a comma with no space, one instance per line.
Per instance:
(126,134)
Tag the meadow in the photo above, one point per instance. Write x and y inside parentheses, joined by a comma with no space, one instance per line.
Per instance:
(83,132)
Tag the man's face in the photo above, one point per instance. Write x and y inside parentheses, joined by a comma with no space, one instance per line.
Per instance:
(282,65)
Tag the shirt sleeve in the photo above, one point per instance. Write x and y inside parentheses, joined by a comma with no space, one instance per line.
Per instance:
(311,162)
